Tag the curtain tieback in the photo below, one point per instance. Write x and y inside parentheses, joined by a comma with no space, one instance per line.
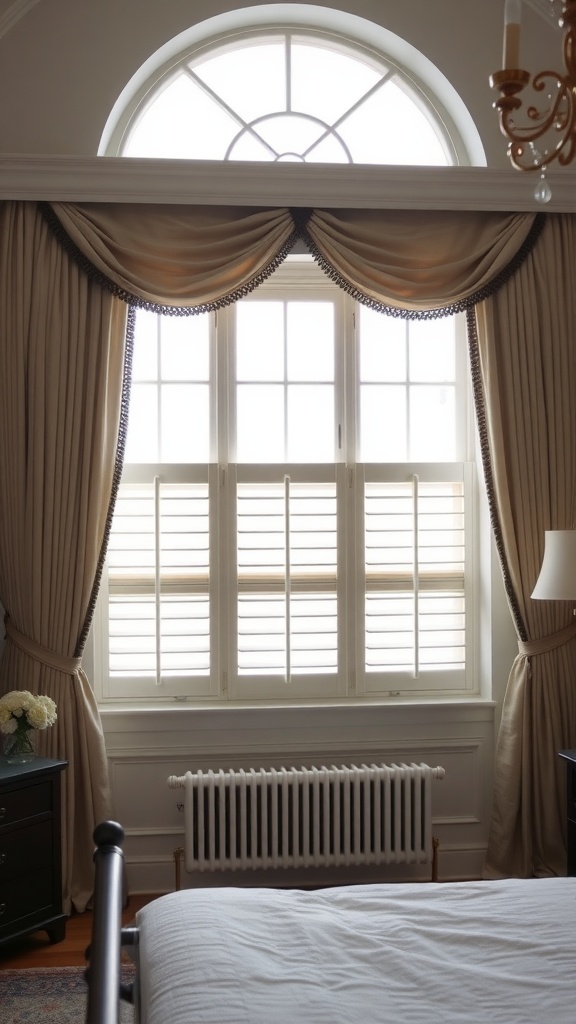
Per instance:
(42,654)
(528,648)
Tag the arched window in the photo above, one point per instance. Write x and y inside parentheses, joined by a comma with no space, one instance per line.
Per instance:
(277,93)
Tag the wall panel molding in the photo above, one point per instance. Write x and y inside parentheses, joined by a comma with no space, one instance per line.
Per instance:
(152,815)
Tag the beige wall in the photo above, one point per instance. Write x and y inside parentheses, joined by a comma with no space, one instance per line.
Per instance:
(63,63)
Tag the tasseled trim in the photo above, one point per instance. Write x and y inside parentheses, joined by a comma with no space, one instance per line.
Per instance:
(118,466)
(481,419)
(137,301)
(461,306)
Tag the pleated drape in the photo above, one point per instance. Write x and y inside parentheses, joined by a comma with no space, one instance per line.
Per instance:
(61,386)
(526,382)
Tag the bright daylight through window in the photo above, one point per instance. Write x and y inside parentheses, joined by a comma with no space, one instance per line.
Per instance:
(294,519)
(288,96)
(292,516)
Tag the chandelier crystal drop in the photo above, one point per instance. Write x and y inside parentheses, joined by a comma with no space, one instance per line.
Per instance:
(543,192)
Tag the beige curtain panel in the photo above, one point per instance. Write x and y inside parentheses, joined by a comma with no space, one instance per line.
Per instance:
(527,361)
(61,380)
(64,269)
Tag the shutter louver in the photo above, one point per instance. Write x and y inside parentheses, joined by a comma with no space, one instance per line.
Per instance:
(287,560)
(415,621)
(183,598)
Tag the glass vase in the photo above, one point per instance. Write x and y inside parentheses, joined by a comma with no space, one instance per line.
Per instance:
(19,746)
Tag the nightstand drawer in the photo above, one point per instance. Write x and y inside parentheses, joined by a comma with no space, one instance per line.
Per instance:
(30,894)
(26,802)
(19,850)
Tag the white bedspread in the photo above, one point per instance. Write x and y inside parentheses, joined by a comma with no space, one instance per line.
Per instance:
(500,951)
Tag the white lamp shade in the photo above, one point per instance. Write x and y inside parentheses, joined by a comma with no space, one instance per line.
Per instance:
(557,579)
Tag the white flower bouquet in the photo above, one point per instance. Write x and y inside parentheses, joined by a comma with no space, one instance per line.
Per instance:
(20,712)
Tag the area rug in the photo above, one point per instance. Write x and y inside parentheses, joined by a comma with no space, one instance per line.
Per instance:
(51,995)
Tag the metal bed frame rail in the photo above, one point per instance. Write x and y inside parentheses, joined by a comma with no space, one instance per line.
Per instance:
(103,974)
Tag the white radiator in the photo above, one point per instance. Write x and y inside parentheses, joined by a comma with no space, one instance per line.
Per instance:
(307,817)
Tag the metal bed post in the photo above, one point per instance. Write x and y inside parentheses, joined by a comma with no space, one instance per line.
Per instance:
(103,972)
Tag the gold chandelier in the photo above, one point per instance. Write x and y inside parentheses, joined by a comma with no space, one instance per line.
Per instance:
(549,131)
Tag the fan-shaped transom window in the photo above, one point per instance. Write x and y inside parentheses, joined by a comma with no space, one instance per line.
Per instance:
(288,96)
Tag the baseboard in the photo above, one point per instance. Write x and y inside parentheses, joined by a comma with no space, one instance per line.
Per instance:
(156,874)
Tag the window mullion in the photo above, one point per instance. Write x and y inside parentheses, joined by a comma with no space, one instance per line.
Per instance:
(288,70)
(287,579)
(158,578)
(223,393)
(222,577)
(159,395)
(223,557)
(358,575)
(350,476)
(347,378)
(416,575)
(348,586)
(285,382)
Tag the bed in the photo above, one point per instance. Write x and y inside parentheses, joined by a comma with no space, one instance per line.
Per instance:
(418,953)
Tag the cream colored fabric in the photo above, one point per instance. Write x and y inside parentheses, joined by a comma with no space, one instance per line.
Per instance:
(528,362)
(177,255)
(41,654)
(61,360)
(418,260)
(529,648)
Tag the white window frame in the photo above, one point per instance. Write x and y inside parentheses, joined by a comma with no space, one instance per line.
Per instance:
(428,89)
(350,682)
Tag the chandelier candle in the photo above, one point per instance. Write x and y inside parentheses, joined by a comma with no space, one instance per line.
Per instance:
(511,52)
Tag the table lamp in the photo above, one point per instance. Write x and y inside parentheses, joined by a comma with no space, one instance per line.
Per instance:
(557,579)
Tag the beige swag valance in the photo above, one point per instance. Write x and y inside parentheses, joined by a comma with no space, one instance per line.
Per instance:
(198,257)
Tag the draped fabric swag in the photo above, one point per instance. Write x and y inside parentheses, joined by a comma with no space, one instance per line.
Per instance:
(67,272)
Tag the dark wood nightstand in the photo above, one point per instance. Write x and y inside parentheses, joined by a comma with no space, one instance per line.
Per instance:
(570,758)
(30,849)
